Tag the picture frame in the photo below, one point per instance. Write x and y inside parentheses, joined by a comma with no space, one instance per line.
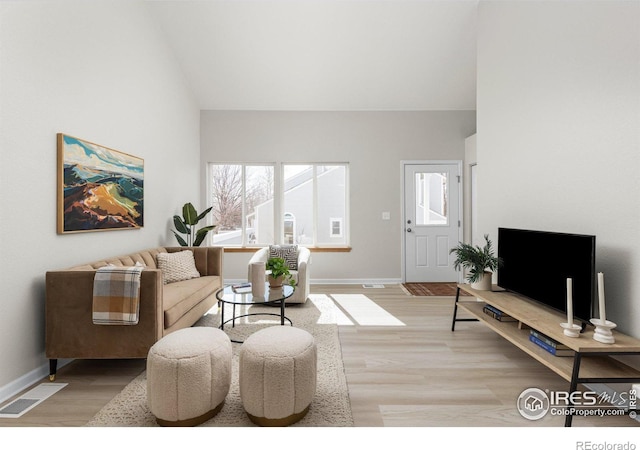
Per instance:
(99,189)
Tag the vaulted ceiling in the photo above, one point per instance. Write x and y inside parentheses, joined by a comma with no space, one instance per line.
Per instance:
(324,55)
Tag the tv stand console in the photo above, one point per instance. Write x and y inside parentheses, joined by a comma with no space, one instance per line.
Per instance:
(593,362)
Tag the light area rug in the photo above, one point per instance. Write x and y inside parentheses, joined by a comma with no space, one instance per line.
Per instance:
(329,408)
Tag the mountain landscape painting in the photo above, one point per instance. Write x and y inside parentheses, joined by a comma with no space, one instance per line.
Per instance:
(98,188)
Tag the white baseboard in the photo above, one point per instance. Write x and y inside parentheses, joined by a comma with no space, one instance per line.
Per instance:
(35,376)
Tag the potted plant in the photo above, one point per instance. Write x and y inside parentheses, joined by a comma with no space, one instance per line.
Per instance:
(187,225)
(480,262)
(279,272)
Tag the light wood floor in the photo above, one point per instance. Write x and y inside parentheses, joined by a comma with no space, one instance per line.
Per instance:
(414,374)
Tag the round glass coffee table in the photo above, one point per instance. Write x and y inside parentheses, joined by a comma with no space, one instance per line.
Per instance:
(271,297)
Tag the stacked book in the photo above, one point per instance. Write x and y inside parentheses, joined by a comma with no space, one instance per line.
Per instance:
(497,314)
(553,347)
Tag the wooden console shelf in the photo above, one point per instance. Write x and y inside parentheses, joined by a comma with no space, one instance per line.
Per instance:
(592,361)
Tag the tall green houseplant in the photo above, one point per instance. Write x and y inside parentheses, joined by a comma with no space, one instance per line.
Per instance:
(187,225)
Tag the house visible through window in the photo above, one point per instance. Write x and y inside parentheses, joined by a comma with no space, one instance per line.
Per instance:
(260,204)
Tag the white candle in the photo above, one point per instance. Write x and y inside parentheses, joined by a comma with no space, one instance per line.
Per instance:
(603,316)
(570,301)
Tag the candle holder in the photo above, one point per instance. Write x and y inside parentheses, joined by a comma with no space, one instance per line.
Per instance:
(603,332)
(571,329)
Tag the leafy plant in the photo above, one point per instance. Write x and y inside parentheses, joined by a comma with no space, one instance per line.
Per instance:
(476,259)
(187,225)
(279,268)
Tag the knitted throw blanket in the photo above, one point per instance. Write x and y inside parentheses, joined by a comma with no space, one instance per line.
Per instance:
(116,295)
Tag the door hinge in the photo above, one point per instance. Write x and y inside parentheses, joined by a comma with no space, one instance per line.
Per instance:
(458,178)
(459,224)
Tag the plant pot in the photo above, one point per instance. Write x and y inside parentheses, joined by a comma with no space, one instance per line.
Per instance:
(275,282)
(484,283)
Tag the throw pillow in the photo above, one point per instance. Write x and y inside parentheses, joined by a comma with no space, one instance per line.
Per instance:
(287,252)
(177,266)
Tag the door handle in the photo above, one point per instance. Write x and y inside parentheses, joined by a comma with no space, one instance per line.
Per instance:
(408,230)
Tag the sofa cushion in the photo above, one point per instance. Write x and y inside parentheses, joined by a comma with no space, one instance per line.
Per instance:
(177,266)
(287,252)
(181,296)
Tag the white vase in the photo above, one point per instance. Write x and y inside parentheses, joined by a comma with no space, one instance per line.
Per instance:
(257,272)
(483,283)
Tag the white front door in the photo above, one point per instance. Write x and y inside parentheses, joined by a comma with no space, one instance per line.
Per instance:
(432,221)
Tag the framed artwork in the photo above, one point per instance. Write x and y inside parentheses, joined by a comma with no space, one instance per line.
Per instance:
(99,189)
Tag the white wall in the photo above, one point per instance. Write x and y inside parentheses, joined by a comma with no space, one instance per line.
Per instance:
(373,143)
(98,71)
(559,130)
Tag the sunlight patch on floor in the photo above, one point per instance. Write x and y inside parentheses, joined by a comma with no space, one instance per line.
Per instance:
(365,311)
(329,315)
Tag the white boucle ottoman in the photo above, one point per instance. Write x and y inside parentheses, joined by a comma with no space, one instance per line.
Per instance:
(188,376)
(277,375)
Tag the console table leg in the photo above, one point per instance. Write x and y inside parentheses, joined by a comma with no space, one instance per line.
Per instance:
(455,310)
(573,386)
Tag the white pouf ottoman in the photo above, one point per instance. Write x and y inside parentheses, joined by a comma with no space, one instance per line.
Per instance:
(277,375)
(188,376)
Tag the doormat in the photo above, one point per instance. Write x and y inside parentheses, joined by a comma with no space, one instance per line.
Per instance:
(432,289)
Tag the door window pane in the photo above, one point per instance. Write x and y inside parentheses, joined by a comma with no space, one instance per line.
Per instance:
(432,197)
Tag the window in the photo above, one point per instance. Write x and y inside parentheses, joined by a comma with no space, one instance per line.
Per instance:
(253,206)
(242,200)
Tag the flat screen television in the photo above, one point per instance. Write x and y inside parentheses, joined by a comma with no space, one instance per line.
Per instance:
(536,264)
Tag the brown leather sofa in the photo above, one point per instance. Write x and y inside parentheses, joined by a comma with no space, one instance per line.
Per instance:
(70,332)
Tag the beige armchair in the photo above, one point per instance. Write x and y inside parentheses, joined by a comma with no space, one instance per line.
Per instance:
(301,275)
